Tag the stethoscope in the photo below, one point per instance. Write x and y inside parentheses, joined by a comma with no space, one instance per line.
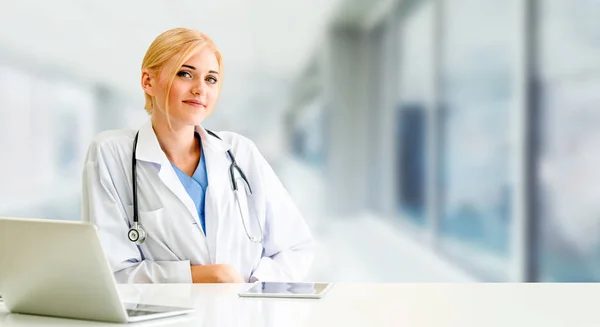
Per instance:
(137,234)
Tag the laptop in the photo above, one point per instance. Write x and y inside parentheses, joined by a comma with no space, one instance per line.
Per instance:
(58,269)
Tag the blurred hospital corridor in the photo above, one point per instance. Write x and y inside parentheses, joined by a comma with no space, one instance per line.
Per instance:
(361,247)
(422,140)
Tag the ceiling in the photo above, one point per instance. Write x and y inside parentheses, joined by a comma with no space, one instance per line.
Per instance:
(265,44)
(105,41)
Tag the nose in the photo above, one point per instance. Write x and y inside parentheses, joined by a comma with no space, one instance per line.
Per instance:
(198,89)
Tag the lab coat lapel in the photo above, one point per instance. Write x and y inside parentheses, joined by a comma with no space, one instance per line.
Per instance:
(148,149)
(217,165)
(169,177)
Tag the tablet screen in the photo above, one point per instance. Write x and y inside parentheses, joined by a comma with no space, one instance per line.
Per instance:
(282,288)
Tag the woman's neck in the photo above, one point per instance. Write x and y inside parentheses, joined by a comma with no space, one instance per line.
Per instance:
(178,143)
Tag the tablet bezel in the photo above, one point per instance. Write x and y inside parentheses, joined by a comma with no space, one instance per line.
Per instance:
(246,293)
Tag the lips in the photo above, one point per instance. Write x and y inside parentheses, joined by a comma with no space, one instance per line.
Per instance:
(195,103)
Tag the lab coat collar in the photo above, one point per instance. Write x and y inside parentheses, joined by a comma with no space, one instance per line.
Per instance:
(148,148)
(211,141)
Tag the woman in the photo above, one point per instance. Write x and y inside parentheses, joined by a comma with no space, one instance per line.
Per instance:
(192,226)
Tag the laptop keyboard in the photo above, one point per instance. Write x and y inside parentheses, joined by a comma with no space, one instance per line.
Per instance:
(135,313)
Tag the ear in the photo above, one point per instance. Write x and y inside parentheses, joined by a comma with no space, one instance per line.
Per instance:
(148,82)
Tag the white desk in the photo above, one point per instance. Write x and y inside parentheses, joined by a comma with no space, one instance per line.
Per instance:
(379,305)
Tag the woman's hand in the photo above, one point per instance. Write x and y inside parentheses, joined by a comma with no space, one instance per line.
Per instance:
(220,273)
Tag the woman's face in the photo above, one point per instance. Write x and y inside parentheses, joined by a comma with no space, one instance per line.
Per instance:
(194,91)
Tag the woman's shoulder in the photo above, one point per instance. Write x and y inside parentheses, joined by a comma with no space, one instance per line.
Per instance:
(232,137)
(237,141)
(120,140)
(114,138)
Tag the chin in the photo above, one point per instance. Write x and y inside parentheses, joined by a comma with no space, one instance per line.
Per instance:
(193,117)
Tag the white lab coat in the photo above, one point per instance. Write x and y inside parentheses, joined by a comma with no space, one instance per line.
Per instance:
(175,239)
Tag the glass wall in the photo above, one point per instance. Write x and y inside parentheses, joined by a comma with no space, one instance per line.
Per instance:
(461,78)
(415,94)
(569,161)
(48,121)
(307,135)
(477,89)
(45,131)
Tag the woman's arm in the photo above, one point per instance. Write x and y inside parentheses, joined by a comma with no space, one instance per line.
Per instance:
(288,244)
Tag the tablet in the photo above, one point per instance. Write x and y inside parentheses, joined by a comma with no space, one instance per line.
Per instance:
(287,290)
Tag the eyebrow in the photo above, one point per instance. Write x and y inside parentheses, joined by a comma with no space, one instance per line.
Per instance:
(194,68)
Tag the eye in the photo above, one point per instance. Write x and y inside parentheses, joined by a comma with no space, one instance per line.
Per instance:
(185,74)
(211,80)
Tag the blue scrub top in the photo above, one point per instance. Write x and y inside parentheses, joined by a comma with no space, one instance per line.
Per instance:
(196,185)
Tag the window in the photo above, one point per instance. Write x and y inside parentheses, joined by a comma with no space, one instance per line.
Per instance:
(569,162)
(415,95)
(477,90)
(45,130)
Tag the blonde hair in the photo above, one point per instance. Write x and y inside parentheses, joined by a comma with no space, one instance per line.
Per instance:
(177,42)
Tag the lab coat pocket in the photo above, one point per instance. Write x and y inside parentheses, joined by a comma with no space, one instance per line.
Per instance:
(159,234)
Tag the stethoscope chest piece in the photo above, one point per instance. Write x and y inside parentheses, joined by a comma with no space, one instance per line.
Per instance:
(136,234)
